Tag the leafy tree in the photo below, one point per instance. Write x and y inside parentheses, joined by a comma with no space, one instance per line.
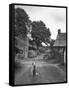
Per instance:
(52,42)
(40,32)
(21,17)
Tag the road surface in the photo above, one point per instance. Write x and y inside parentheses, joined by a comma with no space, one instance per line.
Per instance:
(47,73)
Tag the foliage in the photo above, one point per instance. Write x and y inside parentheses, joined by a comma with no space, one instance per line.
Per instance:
(52,43)
(21,18)
(40,32)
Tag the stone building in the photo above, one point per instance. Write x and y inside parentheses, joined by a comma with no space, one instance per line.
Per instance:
(60,44)
(22,44)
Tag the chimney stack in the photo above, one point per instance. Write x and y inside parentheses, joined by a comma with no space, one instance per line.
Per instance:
(59,31)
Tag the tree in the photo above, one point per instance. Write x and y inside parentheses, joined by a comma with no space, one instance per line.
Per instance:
(52,42)
(21,17)
(40,33)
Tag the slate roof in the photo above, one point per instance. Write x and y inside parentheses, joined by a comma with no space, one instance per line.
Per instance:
(60,40)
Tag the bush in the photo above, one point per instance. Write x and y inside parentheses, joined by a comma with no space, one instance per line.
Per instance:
(32,54)
(42,50)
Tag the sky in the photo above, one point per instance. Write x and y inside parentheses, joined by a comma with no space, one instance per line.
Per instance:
(54,18)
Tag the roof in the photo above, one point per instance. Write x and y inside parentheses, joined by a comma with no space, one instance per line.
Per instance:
(60,40)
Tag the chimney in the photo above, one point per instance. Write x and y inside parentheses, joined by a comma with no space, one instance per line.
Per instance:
(59,31)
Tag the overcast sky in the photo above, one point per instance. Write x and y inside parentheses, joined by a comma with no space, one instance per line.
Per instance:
(54,18)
